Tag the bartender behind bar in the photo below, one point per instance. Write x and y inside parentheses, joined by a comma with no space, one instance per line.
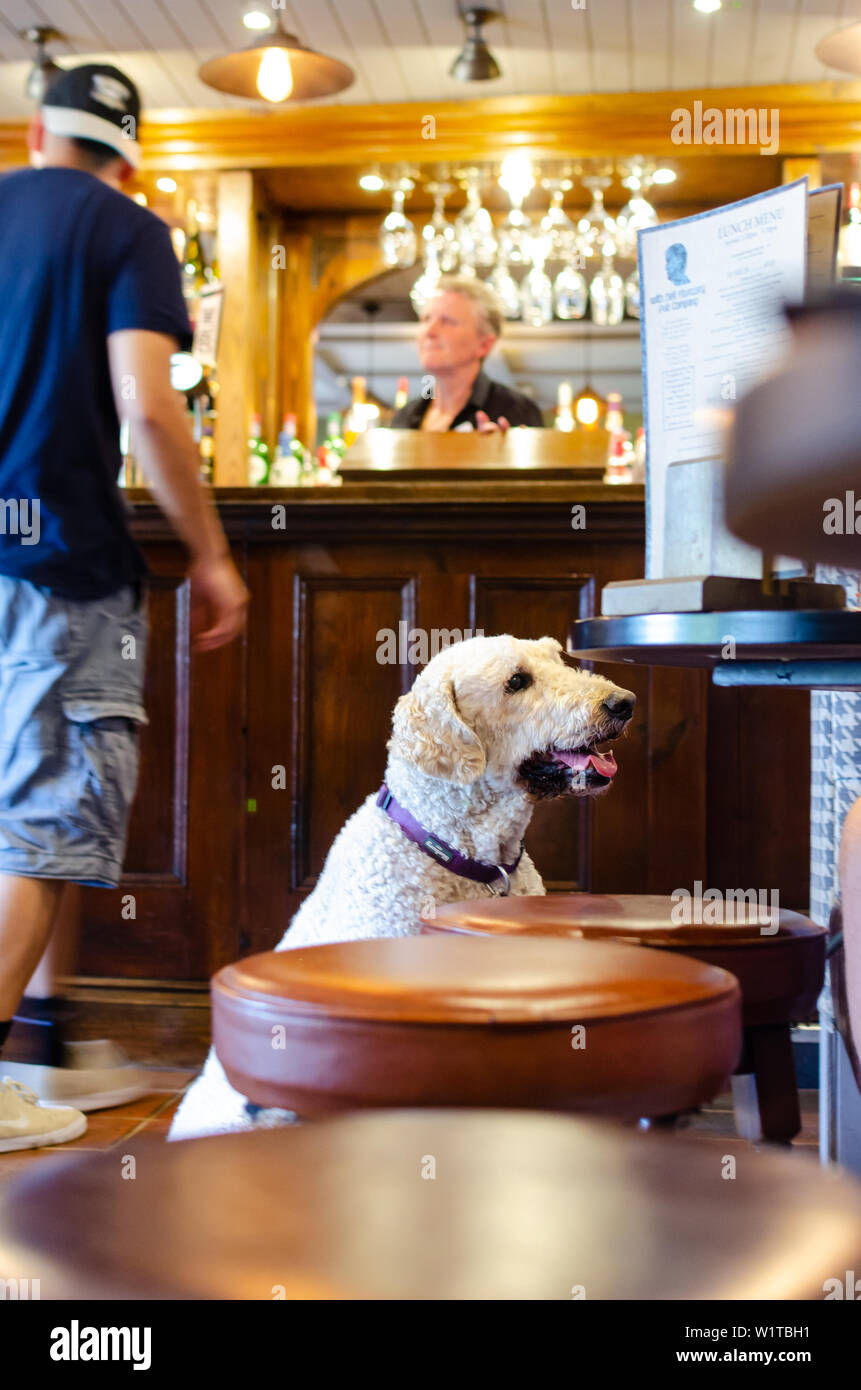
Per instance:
(457,329)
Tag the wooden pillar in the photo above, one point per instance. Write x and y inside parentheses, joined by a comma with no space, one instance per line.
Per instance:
(237,252)
(296,334)
(796,169)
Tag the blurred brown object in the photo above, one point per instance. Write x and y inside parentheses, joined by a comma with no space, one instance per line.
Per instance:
(795,451)
(436,1205)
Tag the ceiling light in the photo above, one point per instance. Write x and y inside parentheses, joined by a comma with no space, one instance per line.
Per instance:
(166,185)
(841,49)
(44,69)
(517,177)
(664,175)
(372,183)
(141,198)
(707,6)
(256,19)
(475,62)
(277,66)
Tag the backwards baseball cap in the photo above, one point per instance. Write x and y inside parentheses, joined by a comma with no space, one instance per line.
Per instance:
(95,102)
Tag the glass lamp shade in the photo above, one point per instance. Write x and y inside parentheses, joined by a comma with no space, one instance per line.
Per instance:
(244,74)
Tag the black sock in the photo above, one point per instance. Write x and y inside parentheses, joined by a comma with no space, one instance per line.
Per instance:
(38,1037)
(4,1031)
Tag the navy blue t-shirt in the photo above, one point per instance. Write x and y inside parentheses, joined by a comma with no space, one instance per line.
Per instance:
(78,261)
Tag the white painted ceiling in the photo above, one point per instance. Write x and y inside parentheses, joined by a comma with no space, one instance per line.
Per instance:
(401,49)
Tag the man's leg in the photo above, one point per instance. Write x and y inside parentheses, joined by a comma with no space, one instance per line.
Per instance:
(28,908)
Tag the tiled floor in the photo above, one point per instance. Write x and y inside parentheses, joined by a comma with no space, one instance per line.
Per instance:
(152,1115)
(108,1129)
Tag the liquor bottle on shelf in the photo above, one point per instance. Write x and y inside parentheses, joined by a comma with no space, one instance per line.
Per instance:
(193,266)
(207,455)
(258,454)
(333,444)
(619,462)
(402,393)
(638,470)
(564,408)
(289,456)
(356,420)
(849,241)
(615,424)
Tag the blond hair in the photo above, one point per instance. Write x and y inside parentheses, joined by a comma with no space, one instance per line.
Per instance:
(481,296)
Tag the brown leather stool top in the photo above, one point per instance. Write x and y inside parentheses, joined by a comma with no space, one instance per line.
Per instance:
(432,1205)
(778,959)
(457,1021)
(781,973)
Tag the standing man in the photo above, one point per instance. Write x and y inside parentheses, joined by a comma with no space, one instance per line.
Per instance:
(91,311)
(458,326)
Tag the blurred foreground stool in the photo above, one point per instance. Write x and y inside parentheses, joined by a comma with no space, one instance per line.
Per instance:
(450,1021)
(781,974)
(433,1205)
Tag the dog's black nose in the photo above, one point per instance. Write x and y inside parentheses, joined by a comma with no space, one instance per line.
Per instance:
(621,706)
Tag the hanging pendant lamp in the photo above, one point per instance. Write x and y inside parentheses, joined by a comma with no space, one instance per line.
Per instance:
(277,67)
(841,49)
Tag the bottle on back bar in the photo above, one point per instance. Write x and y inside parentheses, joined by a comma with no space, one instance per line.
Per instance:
(402,393)
(287,464)
(356,420)
(564,408)
(258,454)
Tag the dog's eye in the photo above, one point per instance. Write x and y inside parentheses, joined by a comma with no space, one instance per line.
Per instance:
(519,681)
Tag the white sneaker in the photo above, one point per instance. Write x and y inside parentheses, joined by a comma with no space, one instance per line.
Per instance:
(94,1076)
(25,1124)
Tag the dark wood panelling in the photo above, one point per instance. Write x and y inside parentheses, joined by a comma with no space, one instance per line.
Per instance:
(711,784)
(343,701)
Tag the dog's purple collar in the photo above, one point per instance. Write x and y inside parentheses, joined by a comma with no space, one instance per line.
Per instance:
(444,854)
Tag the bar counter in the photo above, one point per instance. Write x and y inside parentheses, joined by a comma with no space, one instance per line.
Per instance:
(257,753)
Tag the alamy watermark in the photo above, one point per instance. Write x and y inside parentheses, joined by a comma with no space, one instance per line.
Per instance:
(21,516)
(416,646)
(714,908)
(733,126)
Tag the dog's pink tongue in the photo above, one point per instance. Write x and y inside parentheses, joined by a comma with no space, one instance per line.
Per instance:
(603,763)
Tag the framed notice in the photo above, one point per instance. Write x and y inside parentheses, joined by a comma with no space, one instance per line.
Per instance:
(713,288)
(207,322)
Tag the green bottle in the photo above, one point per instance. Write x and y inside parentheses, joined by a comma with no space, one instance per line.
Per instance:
(258,454)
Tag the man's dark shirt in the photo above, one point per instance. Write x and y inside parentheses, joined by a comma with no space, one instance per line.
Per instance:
(78,261)
(489,396)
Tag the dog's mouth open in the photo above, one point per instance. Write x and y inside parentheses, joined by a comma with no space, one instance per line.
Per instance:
(581,771)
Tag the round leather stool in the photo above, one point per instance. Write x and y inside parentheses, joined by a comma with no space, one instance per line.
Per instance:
(432,1205)
(455,1021)
(780,972)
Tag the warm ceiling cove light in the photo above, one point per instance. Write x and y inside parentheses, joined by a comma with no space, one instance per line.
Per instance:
(664,175)
(707,6)
(841,49)
(166,185)
(372,183)
(475,62)
(277,66)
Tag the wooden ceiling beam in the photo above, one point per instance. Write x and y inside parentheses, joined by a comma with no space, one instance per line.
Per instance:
(812,117)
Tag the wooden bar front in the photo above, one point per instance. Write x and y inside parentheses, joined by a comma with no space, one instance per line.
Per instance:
(257,753)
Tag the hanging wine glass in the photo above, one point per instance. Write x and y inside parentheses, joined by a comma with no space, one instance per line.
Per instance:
(536,289)
(439,233)
(515,233)
(474,227)
(398,235)
(632,294)
(596,224)
(556,225)
(637,212)
(426,285)
(607,290)
(506,289)
(570,292)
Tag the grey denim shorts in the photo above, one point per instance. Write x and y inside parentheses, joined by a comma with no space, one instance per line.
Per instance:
(71,704)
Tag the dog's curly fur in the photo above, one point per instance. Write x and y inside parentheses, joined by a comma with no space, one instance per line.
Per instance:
(465,758)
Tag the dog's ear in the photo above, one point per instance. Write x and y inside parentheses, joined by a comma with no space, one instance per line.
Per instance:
(428,731)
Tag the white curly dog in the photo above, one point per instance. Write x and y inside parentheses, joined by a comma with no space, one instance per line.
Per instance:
(490,726)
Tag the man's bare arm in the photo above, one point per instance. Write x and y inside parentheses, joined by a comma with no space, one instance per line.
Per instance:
(161,440)
(162,443)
